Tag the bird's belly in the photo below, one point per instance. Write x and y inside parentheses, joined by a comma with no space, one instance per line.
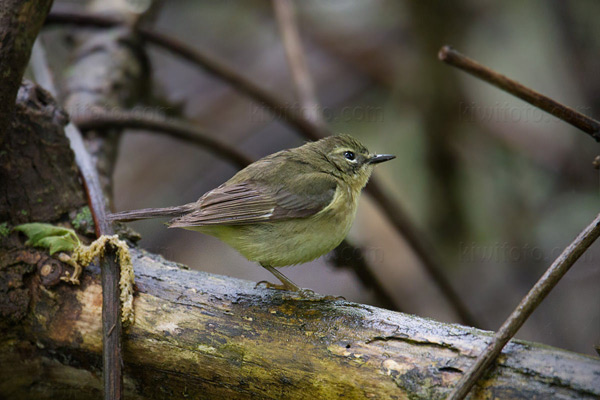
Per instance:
(294,241)
(286,242)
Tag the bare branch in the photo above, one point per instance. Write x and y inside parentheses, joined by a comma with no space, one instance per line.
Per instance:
(305,88)
(567,114)
(131,120)
(207,62)
(399,219)
(526,307)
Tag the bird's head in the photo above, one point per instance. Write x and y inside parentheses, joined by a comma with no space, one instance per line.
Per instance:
(348,159)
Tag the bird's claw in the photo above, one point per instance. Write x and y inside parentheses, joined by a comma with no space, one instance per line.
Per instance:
(270,285)
(300,293)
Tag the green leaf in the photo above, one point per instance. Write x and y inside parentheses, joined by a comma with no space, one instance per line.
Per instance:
(54,238)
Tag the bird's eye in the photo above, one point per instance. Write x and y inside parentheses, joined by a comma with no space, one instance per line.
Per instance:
(349,155)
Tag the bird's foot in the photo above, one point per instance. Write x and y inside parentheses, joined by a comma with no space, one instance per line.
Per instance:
(300,293)
(270,285)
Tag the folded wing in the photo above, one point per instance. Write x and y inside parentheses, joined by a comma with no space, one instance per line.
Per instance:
(254,201)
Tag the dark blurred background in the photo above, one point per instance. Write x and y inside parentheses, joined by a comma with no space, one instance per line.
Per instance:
(496,186)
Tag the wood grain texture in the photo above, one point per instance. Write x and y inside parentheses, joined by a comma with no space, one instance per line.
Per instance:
(199,335)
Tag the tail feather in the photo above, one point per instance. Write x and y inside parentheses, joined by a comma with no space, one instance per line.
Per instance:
(134,215)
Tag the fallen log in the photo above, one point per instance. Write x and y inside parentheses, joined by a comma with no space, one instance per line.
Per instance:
(198,335)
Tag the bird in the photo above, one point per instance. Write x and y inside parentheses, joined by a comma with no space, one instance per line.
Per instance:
(287,208)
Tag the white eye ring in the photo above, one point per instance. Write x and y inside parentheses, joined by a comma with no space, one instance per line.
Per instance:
(350,156)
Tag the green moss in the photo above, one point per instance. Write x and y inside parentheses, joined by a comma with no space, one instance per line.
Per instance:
(233,353)
(83,219)
(4,229)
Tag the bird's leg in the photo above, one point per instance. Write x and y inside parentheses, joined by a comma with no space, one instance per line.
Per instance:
(292,287)
(286,283)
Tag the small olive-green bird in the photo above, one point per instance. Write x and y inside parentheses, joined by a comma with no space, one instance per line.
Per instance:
(287,208)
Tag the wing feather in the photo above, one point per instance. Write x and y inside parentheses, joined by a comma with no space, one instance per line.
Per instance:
(251,202)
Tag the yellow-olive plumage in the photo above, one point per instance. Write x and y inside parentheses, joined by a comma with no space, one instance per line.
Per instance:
(287,208)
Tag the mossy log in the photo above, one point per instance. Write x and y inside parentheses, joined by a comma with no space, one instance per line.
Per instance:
(198,335)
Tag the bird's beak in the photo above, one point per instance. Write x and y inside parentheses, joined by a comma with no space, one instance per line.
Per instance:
(379,158)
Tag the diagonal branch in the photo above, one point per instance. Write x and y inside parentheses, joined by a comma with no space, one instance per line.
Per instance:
(526,307)
(399,220)
(567,114)
(391,208)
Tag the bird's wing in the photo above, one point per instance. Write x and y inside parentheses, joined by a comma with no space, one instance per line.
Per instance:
(250,202)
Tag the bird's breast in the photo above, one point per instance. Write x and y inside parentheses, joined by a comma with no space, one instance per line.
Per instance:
(293,241)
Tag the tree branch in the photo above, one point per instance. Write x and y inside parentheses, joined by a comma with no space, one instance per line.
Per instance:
(398,218)
(305,88)
(102,120)
(207,62)
(567,114)
(526,307)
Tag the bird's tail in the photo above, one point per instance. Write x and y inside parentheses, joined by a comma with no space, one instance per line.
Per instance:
(145,213)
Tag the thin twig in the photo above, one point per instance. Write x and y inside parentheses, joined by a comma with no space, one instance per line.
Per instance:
(567,114)
(526,307)
(305,88)
(131,120)
(308,129)
(110,269)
